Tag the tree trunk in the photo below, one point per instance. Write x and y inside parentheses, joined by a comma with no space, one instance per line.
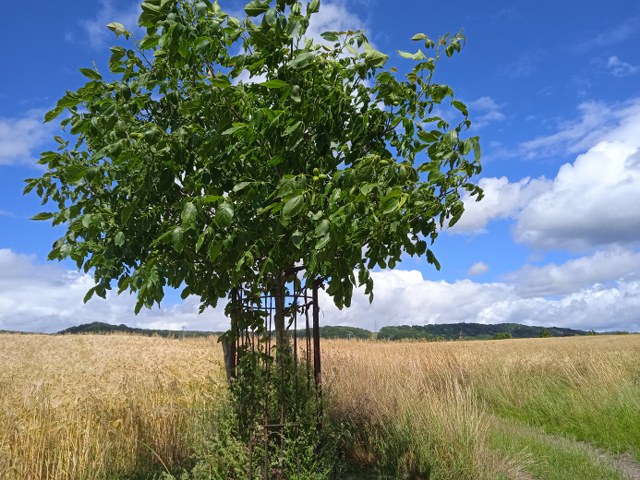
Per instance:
(279,316)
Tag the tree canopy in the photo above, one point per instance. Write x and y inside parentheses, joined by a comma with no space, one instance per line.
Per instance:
(217,152)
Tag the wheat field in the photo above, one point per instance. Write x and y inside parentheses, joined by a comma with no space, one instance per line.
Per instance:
(119,406)
(95,407)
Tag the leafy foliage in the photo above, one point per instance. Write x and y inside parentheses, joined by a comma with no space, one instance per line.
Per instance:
(218,152)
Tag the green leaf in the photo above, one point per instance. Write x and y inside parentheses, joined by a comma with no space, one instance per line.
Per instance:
(201,240)
(189,212)
(91,74)
(320,244)
(296,238)
(294,28)
(215,248)
(292,128)
(391,201)
(119,239)
(202,44)
(373,57)
(236,127)
(431,258)
(220,81)
(271,17)
(429,137)
(419,36)
(275,161)
(241,186)
(177,237)
(224,215)
(52,114)
(275,84)
(419,55)
(330,36)
(461,106)
(42,216)
(302,60)
(255,8)
(74,173)
(313,7)
(88,295)
(126,212)
(292,207)
(201,8)
(118,28)
(322,228)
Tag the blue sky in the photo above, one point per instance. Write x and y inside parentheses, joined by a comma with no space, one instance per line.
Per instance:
(552,87)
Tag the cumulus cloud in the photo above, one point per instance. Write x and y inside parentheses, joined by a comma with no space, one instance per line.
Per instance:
(599,268)
(502,199)
(406,298)
(591,202)
(20,137)
(334,17)
(478,268)
(48,298)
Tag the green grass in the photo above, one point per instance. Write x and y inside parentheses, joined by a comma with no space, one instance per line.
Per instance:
(600,416)
(551,458)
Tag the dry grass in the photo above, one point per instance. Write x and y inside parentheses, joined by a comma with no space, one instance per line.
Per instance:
(439,398)
(106,407)
(85,407)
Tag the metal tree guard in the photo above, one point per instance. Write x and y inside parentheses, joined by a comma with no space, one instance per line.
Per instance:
(275,371)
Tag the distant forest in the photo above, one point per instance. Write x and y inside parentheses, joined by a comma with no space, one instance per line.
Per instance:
(445,331)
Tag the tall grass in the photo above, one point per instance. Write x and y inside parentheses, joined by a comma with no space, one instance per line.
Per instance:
(427,408)
(116,407)
(95,407)
(412,410)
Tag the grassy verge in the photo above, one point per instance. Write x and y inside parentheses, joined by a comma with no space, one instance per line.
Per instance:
(591,395)
(551,458)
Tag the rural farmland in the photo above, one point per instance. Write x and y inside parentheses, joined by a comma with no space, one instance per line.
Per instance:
(126,406)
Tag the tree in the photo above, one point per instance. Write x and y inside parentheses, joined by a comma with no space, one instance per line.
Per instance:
(181,173)
(545,333)
(220,156)
(502,336)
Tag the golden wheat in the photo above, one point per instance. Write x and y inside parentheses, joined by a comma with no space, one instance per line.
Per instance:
(96,407)
(85,407)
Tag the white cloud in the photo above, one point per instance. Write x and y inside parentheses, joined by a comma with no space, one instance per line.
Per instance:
(502,199)
(333,17)
(590,202)
(611,264)
(20,137)
(405,298)
(618,68)
(48,298)
(485,110)
(571,136)
(478,268)
(96,29)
